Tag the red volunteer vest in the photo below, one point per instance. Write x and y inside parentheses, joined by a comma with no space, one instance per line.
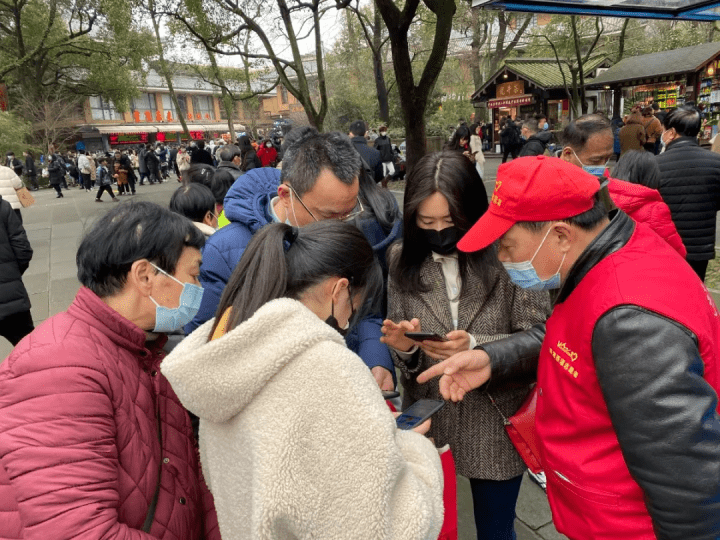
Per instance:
(591,492)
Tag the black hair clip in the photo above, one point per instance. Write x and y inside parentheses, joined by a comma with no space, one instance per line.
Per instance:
(291,235)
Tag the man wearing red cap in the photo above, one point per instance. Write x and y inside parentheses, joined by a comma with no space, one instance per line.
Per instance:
(627,412)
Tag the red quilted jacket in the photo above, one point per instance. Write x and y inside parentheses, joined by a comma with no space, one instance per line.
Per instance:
(645,205)
(79,446)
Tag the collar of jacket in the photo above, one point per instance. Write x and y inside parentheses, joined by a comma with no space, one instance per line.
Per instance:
(228,165)
(89,308)
(682,141)
(611,239)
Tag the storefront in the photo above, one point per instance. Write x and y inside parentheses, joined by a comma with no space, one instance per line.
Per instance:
(670,79)
(104,138)
(525,87)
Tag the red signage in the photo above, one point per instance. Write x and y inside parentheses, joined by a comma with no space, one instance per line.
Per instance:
(128,138)
(197,135)
(510,102)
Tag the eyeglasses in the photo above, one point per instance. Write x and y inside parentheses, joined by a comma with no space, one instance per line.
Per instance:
(355,212)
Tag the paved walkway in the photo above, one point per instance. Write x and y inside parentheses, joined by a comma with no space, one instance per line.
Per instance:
(55,228)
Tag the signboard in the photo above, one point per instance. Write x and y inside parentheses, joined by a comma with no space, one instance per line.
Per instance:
(510,102)
(510,89)
(127,138)
(196,135)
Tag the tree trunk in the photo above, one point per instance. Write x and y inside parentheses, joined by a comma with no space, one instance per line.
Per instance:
(380,86)
(164,68)
(227,101)
(621,42)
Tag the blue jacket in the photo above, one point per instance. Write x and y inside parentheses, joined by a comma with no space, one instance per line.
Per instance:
(246,206)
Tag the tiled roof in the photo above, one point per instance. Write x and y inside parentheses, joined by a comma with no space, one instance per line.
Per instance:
(546,72)
(671,62)
(543,72)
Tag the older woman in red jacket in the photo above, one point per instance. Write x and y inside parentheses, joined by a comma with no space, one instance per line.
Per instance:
(635,192)
(94,442)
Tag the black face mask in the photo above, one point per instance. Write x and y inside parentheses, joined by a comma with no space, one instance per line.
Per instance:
(333,322)
(442,242)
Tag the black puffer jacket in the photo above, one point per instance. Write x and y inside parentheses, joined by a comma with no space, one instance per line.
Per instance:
(536,144)
(690,185)
(15,255)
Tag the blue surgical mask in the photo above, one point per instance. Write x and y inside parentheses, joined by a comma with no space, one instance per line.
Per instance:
(545,126)
(172,319)
(524,274)
(595,170)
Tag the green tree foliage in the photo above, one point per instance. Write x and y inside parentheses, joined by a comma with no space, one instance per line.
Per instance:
(83,47)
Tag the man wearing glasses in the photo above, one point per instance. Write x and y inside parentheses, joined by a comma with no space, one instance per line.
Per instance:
(319,181)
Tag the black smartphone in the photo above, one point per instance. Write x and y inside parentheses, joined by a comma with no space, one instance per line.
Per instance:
(418,412)
(425,336)
(390,394)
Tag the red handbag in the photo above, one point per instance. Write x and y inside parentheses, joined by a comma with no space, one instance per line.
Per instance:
(520,428)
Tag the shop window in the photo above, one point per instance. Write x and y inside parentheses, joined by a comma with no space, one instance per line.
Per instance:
(146,102)
(182,101)
(102,109)
(203,106)
(283,95)
(168,106)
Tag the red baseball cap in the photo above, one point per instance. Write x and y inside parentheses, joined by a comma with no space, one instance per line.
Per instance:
(536,188)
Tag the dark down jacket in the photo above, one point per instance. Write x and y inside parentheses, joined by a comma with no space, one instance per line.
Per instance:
(15,255)
(690,186)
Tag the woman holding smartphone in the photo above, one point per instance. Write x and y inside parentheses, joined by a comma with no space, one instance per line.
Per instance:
(468,300)
(296,440)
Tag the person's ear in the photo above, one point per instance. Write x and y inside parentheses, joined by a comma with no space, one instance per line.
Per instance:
(142,276)
(566,236)
(337,288)
(284,194)
(209,219)
(567,154)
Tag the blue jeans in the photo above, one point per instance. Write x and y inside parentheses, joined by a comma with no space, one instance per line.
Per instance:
(494,507)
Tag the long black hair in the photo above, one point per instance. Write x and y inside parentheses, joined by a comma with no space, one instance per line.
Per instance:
(453,176)
(283,262)
(378,203)
(460,133)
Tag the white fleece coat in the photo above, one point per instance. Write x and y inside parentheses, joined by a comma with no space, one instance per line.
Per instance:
(296,441)
(9,182)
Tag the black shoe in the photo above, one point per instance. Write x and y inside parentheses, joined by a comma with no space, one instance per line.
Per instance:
(60,196)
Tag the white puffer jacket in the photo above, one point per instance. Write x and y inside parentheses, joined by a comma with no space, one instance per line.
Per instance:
(9,182)
(295,438)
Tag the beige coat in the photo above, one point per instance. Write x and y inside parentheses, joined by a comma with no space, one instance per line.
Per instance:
(9,182)
(473,428)
(296,441)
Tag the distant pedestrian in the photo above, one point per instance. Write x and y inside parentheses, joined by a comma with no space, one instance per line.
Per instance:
(126,164)
(267,153)
(200,155)
(653,129)
(104,180)
(84,166)
(387,156)
(358,130)
(510,139)
(31,170)
(249,157)
(152,163)
(14,163)
(120,174)
(56,171)
(536,141)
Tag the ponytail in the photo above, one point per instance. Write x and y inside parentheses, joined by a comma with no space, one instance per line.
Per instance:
(283,262)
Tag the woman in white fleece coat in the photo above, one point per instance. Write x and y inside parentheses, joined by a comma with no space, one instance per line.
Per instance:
(296,440)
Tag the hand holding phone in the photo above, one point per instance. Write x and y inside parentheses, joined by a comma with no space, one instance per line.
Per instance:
(425,336)
(418,413)
(394,334)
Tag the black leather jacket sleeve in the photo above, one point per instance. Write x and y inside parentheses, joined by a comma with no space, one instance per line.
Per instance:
(515,358)
(664,414)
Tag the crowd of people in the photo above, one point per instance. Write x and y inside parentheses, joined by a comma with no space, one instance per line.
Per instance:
(225,370)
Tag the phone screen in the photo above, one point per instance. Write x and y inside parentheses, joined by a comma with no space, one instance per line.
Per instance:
(418,412)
